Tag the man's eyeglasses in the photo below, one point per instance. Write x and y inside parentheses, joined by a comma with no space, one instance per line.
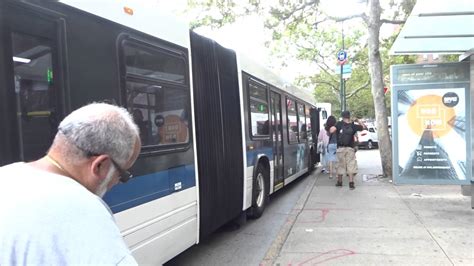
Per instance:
(124,175)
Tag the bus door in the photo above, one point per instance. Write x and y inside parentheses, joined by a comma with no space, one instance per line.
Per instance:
(32,89)
(277,136)
(315,128)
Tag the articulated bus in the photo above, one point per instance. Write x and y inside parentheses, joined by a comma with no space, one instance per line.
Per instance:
(219,133)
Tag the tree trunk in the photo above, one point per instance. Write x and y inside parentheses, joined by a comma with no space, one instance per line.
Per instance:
(376,78)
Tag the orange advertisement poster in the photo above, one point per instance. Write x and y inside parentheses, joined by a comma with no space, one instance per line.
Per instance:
(431,130)
(173,130)
(431,134)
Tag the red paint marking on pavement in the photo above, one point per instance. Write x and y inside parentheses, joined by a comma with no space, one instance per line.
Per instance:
(333,209)
(327,203)
(318,209)
(324,213)
(335,254)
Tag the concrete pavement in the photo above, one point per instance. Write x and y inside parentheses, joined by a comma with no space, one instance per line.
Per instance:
(378,223)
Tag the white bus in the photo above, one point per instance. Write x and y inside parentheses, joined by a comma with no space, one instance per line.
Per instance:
(324,112)
(219,133)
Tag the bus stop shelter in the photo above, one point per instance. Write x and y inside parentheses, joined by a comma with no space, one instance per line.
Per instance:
(442,27)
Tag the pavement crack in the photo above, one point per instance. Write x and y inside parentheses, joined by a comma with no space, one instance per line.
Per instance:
(422,223)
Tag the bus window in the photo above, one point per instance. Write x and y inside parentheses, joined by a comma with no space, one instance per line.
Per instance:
(292,121)
(159,113)
(142,61)
(259,112)
(158,106)
(33,79)
(308,123)
(301,122)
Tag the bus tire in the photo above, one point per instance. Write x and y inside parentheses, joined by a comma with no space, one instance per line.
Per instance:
(259,192)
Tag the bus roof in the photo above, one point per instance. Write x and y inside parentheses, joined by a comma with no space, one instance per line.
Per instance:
(147,18)
(254,68)
(144,17)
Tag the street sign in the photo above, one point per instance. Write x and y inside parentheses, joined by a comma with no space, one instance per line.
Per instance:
(346,69)
(342,57)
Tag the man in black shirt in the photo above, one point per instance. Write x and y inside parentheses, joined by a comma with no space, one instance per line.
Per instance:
(346,160)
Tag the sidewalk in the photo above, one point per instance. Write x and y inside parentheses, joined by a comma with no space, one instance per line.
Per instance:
(378,223)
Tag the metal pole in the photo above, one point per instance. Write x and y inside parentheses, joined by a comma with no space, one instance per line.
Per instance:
(342,90)
(344,93)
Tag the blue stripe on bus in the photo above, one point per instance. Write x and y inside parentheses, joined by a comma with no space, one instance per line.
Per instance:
(143,189)
(252,154)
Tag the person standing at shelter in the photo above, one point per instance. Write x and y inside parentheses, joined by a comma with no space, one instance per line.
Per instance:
(346,159)
(331,150)
(51,211)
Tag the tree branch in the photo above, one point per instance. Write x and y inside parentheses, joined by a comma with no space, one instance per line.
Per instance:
(321,63)
(354,92)
(316,24)
(327,69)
(339,19)
(329,73)
(303,6)
(392,21)
(333,88)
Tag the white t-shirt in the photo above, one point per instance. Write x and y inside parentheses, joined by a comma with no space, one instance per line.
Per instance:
(50,219)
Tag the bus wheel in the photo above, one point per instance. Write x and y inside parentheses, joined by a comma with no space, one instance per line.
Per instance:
(259,192)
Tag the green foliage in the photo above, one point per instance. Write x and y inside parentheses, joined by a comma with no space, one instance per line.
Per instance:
(449,58)
(217,13)
(300,29)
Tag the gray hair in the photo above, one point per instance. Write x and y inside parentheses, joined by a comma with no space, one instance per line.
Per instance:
(99,128)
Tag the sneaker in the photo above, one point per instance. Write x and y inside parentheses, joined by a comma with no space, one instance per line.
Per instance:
(324,171)
(351,185)
(339,184)
(330,177)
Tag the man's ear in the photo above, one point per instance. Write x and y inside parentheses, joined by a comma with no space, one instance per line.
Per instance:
(100,166)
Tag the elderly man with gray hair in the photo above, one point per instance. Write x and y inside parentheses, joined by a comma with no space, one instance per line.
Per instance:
(51,211)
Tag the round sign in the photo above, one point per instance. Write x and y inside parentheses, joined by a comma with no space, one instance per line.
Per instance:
(450,99)
(341,56)
(159,120)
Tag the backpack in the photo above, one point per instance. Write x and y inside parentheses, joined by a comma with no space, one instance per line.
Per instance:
(345,136)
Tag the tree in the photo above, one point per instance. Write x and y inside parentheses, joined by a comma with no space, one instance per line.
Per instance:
(303,18)
(326,78)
